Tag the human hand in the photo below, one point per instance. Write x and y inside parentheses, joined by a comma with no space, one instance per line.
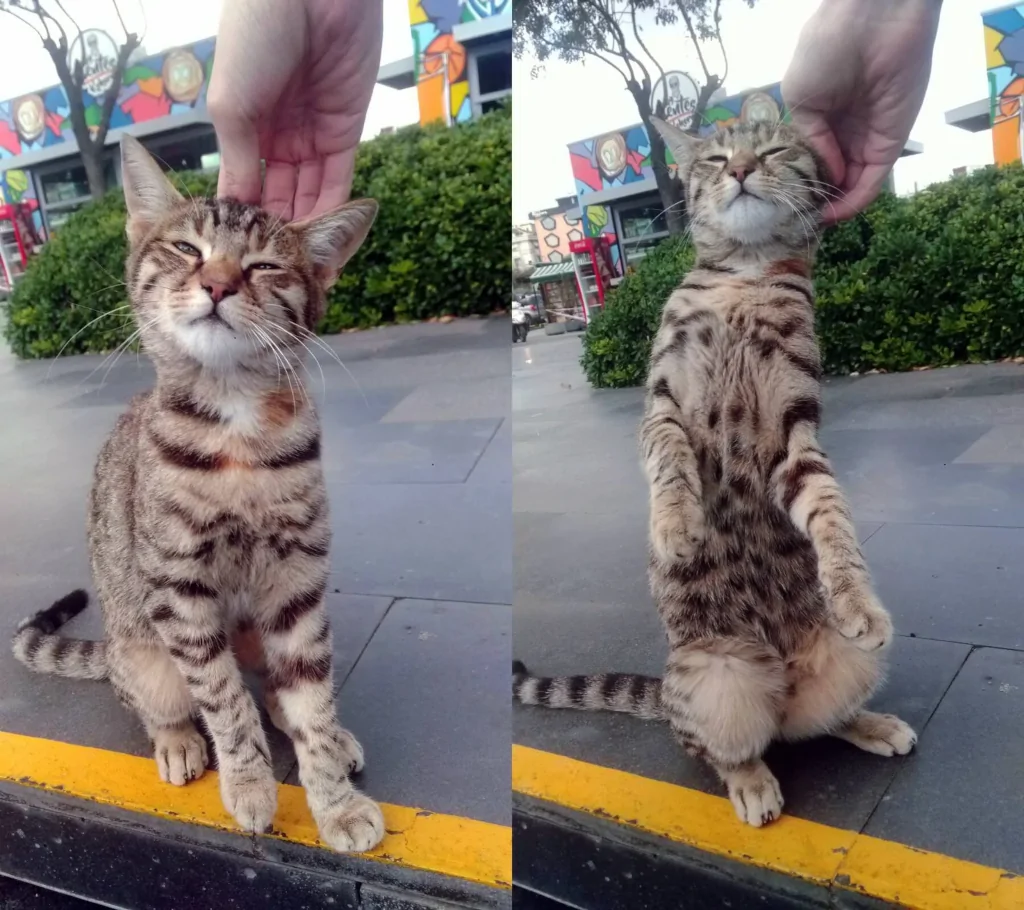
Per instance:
(291,83)
(855,86)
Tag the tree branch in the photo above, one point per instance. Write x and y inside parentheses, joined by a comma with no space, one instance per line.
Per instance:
(10,12)
(624,53)
(110,98)
(694,38)
(586,51)
(640,41)
(718,35)
(120,19)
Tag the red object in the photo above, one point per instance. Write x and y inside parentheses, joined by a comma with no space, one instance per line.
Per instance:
(592,261)
(18,240)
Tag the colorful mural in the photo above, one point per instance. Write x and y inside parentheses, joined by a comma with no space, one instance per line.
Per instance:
(442,77)
(1004,57)
(16,186)
(623,157)
(597,220)
(171,82)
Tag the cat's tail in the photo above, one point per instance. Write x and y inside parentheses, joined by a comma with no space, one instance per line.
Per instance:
(628,693)
(37,646)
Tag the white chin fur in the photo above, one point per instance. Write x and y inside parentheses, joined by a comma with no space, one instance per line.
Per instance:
(213,345)
(748,219)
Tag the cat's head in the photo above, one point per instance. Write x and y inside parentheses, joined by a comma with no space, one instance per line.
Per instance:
(219,284)
(751,184)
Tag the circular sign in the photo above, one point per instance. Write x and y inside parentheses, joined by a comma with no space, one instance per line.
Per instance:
(29,117)
(760,107)
(674,99)
(183,76)
(98,53)
(611,155)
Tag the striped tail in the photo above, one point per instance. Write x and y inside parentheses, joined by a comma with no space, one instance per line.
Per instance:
(37,646)
(628,693)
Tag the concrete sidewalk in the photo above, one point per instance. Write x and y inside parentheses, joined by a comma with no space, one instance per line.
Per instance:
(417,444)
(934,465)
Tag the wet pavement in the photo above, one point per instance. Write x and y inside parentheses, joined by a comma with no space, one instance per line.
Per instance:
(417,447)
(933,463)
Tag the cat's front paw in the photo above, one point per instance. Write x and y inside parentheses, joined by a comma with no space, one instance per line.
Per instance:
(352,825)
(251,797)
(675,536)
(860,617)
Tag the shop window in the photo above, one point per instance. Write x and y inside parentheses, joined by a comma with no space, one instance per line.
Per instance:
(643,221)
(490,76)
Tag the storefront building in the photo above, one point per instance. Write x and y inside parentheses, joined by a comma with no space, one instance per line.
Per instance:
(162,101)
(461,62)
(1000,112)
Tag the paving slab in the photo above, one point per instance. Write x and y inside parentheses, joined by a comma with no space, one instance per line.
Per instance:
(429,702)
(961,794)
(951,582)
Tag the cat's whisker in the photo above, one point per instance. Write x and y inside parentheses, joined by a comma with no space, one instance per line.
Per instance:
(309,350)
(90,323)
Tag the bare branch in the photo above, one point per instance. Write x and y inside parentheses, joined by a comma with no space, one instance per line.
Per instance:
(11,12)
(586,51)
(110,98)
(70,18)
(628,56)
(718,35)
(120,18)
(640,41)
(681,6)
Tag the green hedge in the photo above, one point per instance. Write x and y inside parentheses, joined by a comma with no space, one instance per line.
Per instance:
(439,246)
(933,279)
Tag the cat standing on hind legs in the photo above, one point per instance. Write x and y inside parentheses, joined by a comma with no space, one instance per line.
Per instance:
(207,519)
(774,630)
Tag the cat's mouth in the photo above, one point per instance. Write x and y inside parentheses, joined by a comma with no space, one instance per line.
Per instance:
(211,318)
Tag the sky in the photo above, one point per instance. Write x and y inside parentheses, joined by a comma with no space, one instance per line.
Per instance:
(26,67)
(568,102)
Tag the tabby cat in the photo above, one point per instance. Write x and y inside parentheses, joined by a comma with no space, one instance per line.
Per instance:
(207,522)
(773,627)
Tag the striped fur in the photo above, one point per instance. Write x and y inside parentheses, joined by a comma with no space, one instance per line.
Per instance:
(773,627)
(39,648)
(208,521)
(627,693)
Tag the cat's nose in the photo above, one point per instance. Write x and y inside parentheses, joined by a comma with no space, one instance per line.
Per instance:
(218,290)
(741,166)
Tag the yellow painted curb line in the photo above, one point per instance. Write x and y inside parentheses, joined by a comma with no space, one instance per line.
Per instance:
(886,870)
(465,848)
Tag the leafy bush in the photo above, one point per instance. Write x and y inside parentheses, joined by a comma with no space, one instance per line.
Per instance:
(933,279)
(618,341)
(440,245)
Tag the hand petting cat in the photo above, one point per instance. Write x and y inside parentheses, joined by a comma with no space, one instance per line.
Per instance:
(855,87)
(291,86)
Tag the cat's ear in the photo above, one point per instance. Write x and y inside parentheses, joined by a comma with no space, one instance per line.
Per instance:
(148,194)
(681,145)
(330,240)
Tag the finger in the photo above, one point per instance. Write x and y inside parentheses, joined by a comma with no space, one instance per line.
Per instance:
(862,193)
(239,159)
(279,189)
(336,182)
(817,131)
(308,187)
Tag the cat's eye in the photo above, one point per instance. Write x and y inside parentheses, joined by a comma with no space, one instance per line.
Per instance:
(182,247)
(264,266)
(775,150)
(717,159)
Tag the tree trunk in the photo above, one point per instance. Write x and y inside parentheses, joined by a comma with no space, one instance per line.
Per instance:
(669,189)
(92,158)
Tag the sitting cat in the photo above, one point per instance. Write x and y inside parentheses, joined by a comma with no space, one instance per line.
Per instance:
(773,627)
(207,526)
